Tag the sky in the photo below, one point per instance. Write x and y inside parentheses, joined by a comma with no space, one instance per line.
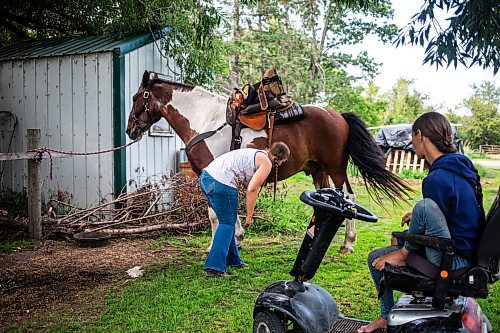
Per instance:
(445,87)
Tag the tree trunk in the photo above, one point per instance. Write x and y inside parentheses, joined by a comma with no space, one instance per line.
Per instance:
(235,77)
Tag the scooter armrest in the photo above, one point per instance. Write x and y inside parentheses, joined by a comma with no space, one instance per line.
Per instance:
(439,243)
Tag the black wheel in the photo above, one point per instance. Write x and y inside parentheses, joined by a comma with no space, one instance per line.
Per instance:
(267,322)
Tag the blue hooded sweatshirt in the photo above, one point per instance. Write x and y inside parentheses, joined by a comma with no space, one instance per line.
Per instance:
(451,183)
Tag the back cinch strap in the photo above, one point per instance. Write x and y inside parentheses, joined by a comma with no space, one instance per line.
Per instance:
(202,136)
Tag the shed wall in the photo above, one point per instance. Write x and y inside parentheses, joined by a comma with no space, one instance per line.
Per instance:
(70,99)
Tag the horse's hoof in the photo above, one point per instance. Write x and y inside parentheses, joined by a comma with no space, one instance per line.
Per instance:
(239,238)
(346,249)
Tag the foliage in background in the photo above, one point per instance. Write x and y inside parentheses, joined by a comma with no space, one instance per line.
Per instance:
(301,39)
(197,29)
(412,174)
(194,40)
(481,124)
(470,38)
(14,203)
(405,103)
(366,102)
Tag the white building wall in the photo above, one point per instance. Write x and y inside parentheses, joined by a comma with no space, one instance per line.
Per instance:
(69,98)
(152,156)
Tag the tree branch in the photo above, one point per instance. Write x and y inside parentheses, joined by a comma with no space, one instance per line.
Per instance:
(18,32)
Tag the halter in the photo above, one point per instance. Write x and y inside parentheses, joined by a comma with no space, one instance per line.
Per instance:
(145,108)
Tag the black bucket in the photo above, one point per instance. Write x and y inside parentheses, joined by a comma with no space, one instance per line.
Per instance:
(92,239)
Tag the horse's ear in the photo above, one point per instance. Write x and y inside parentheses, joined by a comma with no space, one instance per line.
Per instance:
(145,78)
(154,76)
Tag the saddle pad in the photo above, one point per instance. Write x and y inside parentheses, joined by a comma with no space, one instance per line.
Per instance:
(295,111)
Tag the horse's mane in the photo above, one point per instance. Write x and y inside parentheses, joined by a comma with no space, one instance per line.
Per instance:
(194,89)
(207,93)
(160,80)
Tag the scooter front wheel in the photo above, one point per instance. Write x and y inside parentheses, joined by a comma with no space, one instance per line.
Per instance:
(267,322)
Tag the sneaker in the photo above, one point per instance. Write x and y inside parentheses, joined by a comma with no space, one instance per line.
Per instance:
(243,265)
(214,273)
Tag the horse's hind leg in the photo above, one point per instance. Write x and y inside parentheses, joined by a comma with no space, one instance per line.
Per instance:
(341,181)
(350,226)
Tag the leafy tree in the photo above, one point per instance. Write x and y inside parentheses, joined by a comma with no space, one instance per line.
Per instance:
(193,39)
(404,105)
(367,103)
(301,38)
(482,126)
(471,37)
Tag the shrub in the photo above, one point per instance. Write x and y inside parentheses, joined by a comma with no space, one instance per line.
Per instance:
(412,174)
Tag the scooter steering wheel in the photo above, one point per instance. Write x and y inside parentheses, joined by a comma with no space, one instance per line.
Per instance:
(335,201)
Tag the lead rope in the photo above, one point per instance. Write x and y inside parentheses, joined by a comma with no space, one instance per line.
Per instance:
(276,166)
(45,150)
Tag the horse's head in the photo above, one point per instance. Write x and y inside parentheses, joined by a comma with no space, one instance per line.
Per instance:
(145,108)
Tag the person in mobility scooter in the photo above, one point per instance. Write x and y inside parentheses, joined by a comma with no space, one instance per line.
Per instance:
(451,209)
(299,306)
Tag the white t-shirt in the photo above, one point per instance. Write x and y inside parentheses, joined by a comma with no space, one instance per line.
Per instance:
(234,167)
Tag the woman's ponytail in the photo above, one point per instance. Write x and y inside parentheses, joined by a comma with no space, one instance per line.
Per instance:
(479,198)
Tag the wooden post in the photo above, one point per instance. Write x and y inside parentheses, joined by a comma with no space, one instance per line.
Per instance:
(34,193)
(402,161)
(395,162)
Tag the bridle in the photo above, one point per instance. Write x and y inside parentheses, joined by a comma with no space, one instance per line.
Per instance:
(145,108)
(142,125)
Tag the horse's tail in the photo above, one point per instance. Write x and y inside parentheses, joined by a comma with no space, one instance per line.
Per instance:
(370,161)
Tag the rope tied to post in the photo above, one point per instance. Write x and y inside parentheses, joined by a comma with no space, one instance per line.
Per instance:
(39,152)
(39,156)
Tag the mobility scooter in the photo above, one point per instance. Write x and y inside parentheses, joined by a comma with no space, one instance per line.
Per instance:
(436,300)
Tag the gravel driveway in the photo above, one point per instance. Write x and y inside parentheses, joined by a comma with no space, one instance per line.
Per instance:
(493,164)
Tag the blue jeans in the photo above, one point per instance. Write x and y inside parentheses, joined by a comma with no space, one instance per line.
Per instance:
(426,219)
(224,201)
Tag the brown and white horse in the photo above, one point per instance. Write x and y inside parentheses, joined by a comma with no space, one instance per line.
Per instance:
(321,143)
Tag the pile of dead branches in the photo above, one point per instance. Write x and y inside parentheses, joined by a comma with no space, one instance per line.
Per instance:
(174,204)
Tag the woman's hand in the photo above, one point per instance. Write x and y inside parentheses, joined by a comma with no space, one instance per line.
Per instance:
(406,219)
(248,220)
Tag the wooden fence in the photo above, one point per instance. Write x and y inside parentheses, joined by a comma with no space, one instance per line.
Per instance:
(34,156)
(399,159)
(34,192)
(489,149)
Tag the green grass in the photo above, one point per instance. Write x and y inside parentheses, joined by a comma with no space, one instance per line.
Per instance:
(412,174)
(174,296)
(7,246)
(474,154)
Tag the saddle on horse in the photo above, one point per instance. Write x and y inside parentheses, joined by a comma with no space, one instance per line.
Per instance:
(259,106)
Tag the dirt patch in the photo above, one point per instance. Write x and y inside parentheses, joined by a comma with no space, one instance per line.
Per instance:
(57,274)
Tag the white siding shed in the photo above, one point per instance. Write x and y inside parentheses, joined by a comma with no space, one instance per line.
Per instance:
(78,91)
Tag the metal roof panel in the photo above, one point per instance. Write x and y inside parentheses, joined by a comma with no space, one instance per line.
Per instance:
(62,46)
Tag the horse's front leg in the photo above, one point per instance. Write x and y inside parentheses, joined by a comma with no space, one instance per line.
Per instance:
(350,228)
(214,223)
(239,232)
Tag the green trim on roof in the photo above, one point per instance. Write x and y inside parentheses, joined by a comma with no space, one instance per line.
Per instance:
(119,157)
(63,46)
